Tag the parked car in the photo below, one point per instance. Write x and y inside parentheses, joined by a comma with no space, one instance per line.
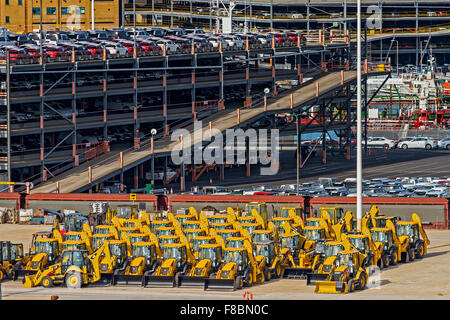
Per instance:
(380,142)
(419,142)
(444,143)
(115,48)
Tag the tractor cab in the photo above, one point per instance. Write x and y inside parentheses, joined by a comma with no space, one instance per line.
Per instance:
(235,242)
(409,229)
(314,233)
(262,236)
(227,233)
(118,248)
(348,259)
(218,218)
(137,237)
(75,222)
(250,226)
(72,236)
(106,229)
(289,212)
(127,211)
(238,256)
(146,250)
(332,248)
(290,241)
(98,239)
(168,239)
(384,236)
(48,246)
(69,245)
(335,213)
(191,224)
(196,242)
(78,258)
(39,235)
(192,233)
(222,226)
(165,231)
(265,249)
(360,242)
(122,230)
(260,207)
(175,251)
(380,221)
(211,251)
(160,223)
(16,251)
(279,221)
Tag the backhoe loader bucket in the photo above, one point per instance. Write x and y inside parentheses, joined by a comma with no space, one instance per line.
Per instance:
(296,273)
(221,284)
(330,287)
(125,279)
(311,278)
(29,281)
(159,281)
(187,281)
(105,280)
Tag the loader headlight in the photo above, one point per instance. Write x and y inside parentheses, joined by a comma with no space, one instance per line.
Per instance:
(225,274)
(34,264)
(337,275)
(104,267)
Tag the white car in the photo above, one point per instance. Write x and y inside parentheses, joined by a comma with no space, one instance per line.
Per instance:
(444,143)
(115,48)
(235,42)
(215,42)
(419,142)
(171,47)
(380,142)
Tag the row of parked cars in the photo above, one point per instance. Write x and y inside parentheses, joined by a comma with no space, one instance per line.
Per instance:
(410,142)
(118,42)
(332,187)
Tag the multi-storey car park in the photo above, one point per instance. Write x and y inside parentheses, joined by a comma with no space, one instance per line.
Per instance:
(57,109)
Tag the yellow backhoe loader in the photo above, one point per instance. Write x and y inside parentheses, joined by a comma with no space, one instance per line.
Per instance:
(106,229)
(305,258)
(74,269)
(327,260)
(363,243)
(206,265)
(238,268)
(11,259)
(144,258)
(348,274)
(413,230)
(177,260)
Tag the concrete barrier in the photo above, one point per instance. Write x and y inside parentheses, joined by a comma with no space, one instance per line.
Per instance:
(82,201)
(10,200)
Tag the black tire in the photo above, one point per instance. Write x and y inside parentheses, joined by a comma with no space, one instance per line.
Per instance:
(381,263)
(404,146)
(47,282)
(448,147)
(351,285)
(420,251)
(412,254)
(394,258)
(428,147)
(177,279)
(363,281)
(386,261)
(238,283)
(405,257)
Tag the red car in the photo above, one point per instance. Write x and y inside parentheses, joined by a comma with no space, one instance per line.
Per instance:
(292,36)
(54,52)
(16,54)
(93,48)
(147,46)
(35,52)
(129,46)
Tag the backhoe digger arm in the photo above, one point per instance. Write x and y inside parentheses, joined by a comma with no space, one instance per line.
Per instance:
(415,217)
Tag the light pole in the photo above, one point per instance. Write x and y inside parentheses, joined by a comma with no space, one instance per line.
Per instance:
(92,15)
(397,52)
(358,121)
(152,132)
(295,116)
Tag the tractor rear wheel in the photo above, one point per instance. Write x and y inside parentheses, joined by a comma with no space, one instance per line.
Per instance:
(74,280)
(420,251)
(362,281)
(351,285)
(394,259)
(47,282)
